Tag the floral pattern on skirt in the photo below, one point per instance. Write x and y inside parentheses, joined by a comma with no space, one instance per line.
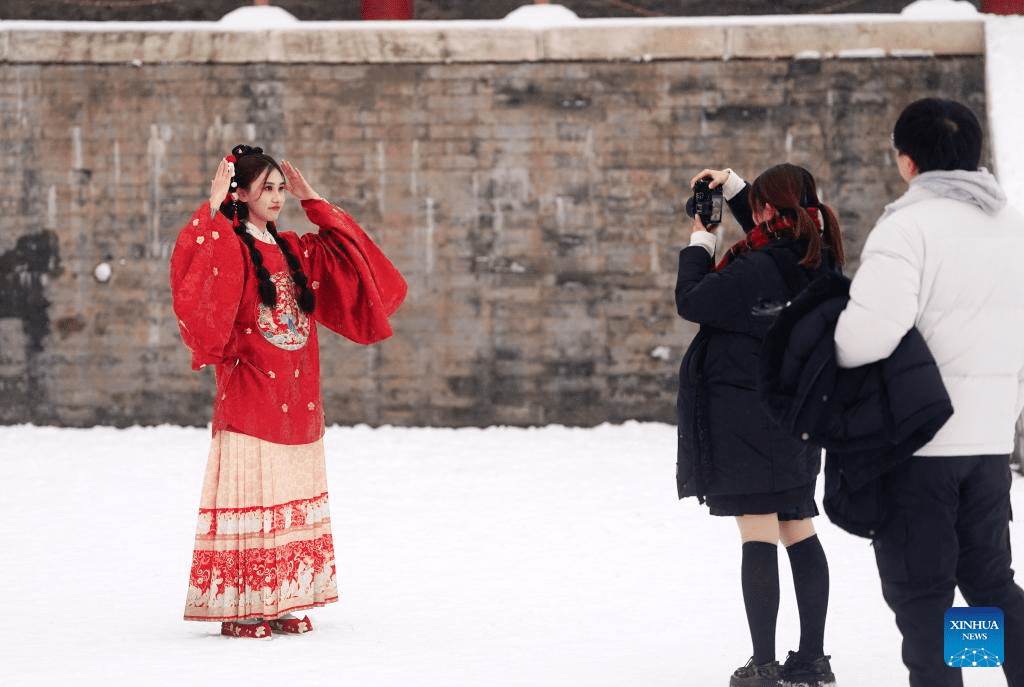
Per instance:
(263,539)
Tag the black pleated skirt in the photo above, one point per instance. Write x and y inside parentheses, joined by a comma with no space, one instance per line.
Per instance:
(791,504)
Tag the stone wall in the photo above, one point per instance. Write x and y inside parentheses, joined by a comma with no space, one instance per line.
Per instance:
(533,201)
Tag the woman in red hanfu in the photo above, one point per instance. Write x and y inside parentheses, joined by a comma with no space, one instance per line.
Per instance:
(248,300)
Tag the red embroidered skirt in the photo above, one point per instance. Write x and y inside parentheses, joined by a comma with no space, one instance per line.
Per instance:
(263,542)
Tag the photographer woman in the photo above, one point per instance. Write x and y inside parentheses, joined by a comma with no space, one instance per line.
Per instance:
(730,454)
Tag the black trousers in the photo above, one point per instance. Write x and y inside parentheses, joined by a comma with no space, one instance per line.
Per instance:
(950,527)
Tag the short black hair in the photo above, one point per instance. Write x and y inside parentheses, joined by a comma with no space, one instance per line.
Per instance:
(939,134)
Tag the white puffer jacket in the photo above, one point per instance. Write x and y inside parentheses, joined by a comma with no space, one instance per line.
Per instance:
(948,258)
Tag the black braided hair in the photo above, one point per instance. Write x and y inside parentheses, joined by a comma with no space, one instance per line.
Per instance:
(307,299)
(250,163)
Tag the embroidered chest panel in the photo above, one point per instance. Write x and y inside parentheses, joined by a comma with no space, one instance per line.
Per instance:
(284,325)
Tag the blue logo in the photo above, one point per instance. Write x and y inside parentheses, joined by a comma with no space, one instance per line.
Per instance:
(974,637)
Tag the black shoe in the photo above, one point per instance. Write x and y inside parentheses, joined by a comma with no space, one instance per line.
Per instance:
(799,672)
(750,675)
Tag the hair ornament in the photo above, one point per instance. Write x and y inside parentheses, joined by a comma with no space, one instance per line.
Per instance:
(241,150)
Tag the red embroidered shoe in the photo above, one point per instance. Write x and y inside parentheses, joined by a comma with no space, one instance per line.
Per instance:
(290,625)
(254,629)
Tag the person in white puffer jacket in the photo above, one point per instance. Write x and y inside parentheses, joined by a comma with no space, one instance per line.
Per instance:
(945,257)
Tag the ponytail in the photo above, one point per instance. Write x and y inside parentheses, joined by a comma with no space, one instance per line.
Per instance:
(833,236)
(820,238)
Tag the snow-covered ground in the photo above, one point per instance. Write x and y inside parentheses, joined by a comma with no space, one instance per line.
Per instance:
(551,557)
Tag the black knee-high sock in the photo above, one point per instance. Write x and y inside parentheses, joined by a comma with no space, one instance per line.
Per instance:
(760,577)
(810,581)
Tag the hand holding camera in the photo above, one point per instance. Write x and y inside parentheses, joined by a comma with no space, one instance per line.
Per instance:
(706,204)
(718,177)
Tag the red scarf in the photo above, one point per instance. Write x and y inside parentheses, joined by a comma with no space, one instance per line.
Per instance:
(763,234)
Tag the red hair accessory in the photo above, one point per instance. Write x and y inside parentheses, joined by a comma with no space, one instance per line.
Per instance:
(230,158)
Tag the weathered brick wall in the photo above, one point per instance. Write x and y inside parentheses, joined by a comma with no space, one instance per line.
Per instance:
(535,208)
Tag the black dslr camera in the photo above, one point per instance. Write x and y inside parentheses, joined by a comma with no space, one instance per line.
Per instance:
(706,203)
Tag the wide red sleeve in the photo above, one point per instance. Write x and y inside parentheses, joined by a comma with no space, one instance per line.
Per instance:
(357,288)
(207,277)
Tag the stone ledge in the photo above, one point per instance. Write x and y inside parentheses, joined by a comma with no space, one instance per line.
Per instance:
(765,41)
(468,42)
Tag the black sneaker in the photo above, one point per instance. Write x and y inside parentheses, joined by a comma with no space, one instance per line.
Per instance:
(799,672)
(750,675)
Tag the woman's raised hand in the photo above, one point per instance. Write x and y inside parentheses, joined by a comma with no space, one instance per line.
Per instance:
(221,184)
(296,184)
(699,226)
(718,177)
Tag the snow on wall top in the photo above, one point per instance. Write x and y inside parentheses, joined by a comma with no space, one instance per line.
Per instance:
(259,18)
(940,9)
(532,17)
(541,16)
(531,34)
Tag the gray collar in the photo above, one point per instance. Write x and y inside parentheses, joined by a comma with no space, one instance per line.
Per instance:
(979,189)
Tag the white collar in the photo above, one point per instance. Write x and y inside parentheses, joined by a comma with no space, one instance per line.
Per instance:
(261,235)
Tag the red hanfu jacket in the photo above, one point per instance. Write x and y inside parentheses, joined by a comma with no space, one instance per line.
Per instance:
(268,359)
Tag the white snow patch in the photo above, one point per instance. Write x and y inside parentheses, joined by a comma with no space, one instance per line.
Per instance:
(1004,54)
(257,17)
(662,353)
(862,54)
(541,16)
(940,9)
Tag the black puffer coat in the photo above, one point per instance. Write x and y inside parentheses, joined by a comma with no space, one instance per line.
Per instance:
(727,444)
(868,418)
